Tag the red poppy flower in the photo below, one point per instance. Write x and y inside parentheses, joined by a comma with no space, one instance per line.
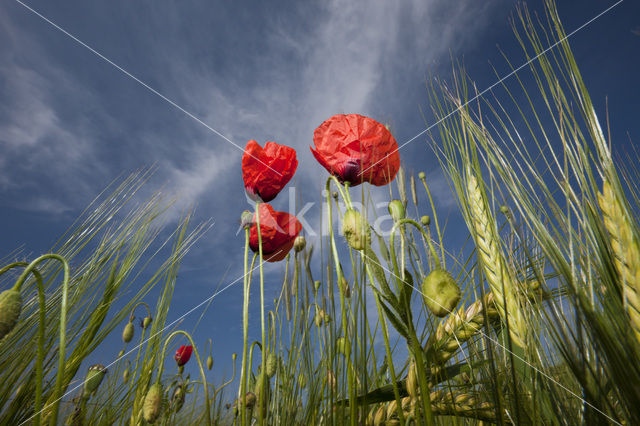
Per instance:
(267,170)
(356,149)
(278,230)
(183,354)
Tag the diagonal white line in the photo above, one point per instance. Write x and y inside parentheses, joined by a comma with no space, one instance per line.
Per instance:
(496,83)
(496,342)
(137,80)
(152,336)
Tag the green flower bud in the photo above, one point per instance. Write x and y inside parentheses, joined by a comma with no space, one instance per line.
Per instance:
(127,333)
(177,399)
(396,210)
(299,244)
(426,220)
(250,400)
(94,377)
(327,318)
(146,322)
(342,345)
(504,209)
(272,363)
(319,318)
(441,292)
(317,284)
(356,230)
(152,405)
(335,195)
(209,362)
(422,176)
(121,353)
(125,375)
(10,307)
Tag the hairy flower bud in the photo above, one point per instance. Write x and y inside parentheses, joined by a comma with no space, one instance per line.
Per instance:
(342,345)
(10,307)
(319,318)
(250,400)
(441,292)
(127,333)
(152,406)
(209,362)
(422,176)
(246,219)
(272,363)
(396,210)
(146,322)
(317,284)
(426,220)
(125,375)
(299,244)
(94,377)
(356,230)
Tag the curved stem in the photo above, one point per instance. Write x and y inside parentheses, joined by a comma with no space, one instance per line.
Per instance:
(202,374)
(63,323)
(435,219)
(134,308)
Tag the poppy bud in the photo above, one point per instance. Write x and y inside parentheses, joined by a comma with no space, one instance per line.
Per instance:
(125,375)
(299,244)
(183,354)
(319,318)
(246,219)
(146,322)
(342,344)
(10,307)
(250,400)
(272,363)
(396,210)
(209,362)
(335,195)
(177,399)
(327,318)
(152,406)
(421,176)
(94,377)
(317,284)
(441,292)
(356,230)
(127,333)
(504,209)
(120,353)
(426,220)
(412,380)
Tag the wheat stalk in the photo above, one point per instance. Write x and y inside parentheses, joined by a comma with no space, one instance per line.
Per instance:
(493,264)
(625,251)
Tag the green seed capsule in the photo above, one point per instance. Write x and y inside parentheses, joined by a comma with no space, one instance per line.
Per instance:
(127,333)
(10,307)
(152,406)
(441,292)
(356,230)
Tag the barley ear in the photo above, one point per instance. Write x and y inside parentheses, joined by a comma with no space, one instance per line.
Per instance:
(493,264)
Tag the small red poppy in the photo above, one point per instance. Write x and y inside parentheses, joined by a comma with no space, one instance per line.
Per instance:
(183,354)
(356,149)
(278,231)
(267,170)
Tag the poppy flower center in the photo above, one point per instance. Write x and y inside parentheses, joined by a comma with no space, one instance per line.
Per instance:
(351,171)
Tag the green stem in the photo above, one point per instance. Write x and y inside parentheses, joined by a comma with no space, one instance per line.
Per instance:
(263,363)
(63,324)
(435,219)
(200,365)
(245,325)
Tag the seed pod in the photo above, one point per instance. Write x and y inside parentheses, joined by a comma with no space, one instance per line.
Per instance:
(272,363)
(426,220)
(412,380)
(177,399)
(246,219)
(146,322)
(94,377)
(10,307)
(396,210)
(152,406)
(441,292)
(127,333)
(342,344)
(299,244)
(209,362)
(356,230)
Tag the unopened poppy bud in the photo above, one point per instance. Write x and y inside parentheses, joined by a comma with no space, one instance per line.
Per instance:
(335,195)
(127,333)
(317,284)
(426,220)
(250,400)
(342,344)
(356,230)
(146,322)
(441,292)
(299,244)
(94,377)
(504,209)
(177,399)
(422,176)
(396,210)
(272,363)
(209,362)
(319,319)
(10,307)
(412,381)
(246,219)
(152,406)
(327,318)
(125,375)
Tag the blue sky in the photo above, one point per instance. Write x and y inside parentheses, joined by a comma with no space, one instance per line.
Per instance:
(70,122)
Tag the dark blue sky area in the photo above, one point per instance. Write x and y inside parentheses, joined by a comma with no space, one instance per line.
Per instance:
(70,122)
